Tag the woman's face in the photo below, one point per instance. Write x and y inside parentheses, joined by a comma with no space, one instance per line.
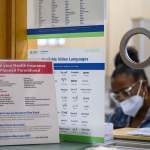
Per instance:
(124,86)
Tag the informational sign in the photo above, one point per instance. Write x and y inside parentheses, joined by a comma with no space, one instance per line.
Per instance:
(28,112)
(80,83)
(65,18)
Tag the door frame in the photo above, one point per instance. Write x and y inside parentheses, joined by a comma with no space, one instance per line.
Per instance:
(17,27)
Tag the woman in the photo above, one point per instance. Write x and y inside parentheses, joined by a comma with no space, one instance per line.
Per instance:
(131,93)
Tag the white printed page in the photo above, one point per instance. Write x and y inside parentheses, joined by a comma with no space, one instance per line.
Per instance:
(140,131)
(64,13)
(28,113)
(80,83)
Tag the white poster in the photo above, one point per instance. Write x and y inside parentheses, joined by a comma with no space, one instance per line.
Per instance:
(65,18)
(28,112)
(62,13)
(80,83)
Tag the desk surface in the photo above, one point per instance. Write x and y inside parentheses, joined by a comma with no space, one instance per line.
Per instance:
(78,146)
(63,146)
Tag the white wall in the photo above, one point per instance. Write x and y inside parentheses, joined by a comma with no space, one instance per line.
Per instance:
(121,15)
(143,43)
(146,9)
(119,23)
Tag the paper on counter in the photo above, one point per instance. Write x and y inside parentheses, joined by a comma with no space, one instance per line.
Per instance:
(141,131)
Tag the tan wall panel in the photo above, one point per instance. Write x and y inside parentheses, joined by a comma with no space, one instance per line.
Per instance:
(3,29)
(13,25)
(21,29)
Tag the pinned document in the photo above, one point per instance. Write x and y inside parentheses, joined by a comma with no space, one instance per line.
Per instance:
(80,84)
(28,112)
(65,18)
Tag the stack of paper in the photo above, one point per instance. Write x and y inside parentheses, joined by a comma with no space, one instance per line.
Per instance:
(141,131)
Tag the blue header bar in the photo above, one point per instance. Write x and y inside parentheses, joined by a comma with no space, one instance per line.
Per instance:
(61,30)
(79,66)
